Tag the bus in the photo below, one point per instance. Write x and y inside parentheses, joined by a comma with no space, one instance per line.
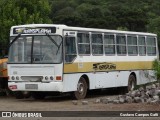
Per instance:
(3,75)
(49,58)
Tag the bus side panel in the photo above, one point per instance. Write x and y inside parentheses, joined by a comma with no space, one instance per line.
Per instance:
(111,79)
(142,77)
(121,78)
(97,80)
(70,82)
(100,80)
(145,76)
(104,79)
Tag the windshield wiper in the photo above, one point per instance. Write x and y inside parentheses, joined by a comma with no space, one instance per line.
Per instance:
(15,39)
(58,46)
(52,39)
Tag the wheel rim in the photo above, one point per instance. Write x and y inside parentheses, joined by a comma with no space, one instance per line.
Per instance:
(80,88)
(132,85)
(81,91)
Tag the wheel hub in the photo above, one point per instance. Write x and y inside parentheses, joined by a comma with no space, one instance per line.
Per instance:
(80,88)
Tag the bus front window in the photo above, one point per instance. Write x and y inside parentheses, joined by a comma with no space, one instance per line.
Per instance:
(36,49)
(20,50)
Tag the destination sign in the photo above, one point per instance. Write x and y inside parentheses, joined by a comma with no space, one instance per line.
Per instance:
(39,30)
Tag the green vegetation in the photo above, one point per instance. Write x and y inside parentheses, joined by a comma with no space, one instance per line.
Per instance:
(132,15)
(156,67)
(16,12)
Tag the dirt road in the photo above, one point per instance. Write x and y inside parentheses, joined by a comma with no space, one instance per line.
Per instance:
(64,103)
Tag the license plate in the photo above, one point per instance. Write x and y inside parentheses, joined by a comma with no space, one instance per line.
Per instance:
(31,86)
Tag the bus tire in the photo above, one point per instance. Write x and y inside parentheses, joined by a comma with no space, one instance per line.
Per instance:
(131,82)
(26,94)
(18,94)
(81,89)
(38,95)
(3,83)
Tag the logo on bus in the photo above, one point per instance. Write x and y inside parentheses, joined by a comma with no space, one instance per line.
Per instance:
(104,66)
(34,30)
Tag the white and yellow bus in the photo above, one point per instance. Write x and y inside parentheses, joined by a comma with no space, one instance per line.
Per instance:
(45,58)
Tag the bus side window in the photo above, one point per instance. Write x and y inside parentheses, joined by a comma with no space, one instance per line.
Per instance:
(142,46)
(151,45)
(121,44)
(97,44)
(83,43)
(109,44)
(70,49)
(132,45)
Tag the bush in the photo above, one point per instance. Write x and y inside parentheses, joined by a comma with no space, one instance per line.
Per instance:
(156,68)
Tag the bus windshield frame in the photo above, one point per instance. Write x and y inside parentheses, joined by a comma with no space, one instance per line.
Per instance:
(36,49)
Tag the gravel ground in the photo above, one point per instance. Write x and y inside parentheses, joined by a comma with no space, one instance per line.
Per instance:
(64,103)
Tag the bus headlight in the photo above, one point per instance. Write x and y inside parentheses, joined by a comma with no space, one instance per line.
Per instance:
(17,78)
(46,78)
(51,78)
(13,78)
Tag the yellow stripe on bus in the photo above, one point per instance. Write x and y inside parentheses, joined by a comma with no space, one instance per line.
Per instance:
(106,66)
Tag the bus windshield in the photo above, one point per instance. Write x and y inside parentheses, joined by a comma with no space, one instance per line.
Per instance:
(36,49)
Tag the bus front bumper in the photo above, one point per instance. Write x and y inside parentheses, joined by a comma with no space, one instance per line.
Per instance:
(35,86)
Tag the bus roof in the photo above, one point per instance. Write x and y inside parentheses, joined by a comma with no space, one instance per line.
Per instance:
(65,27)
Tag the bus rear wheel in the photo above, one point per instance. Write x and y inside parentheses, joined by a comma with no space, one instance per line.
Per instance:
(131,82)
(81,89)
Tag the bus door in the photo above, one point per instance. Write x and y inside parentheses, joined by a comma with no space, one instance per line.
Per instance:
(70,47)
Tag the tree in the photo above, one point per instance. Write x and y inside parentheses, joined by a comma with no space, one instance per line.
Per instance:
(156,68)
(16,12)
(132,15)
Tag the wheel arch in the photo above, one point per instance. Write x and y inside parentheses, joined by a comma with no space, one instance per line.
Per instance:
(87,80)
(132,81)
(134,74)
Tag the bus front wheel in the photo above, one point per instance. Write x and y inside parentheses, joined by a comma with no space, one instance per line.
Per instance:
(81,89)
(131,82)
(18,94)
(38,95)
